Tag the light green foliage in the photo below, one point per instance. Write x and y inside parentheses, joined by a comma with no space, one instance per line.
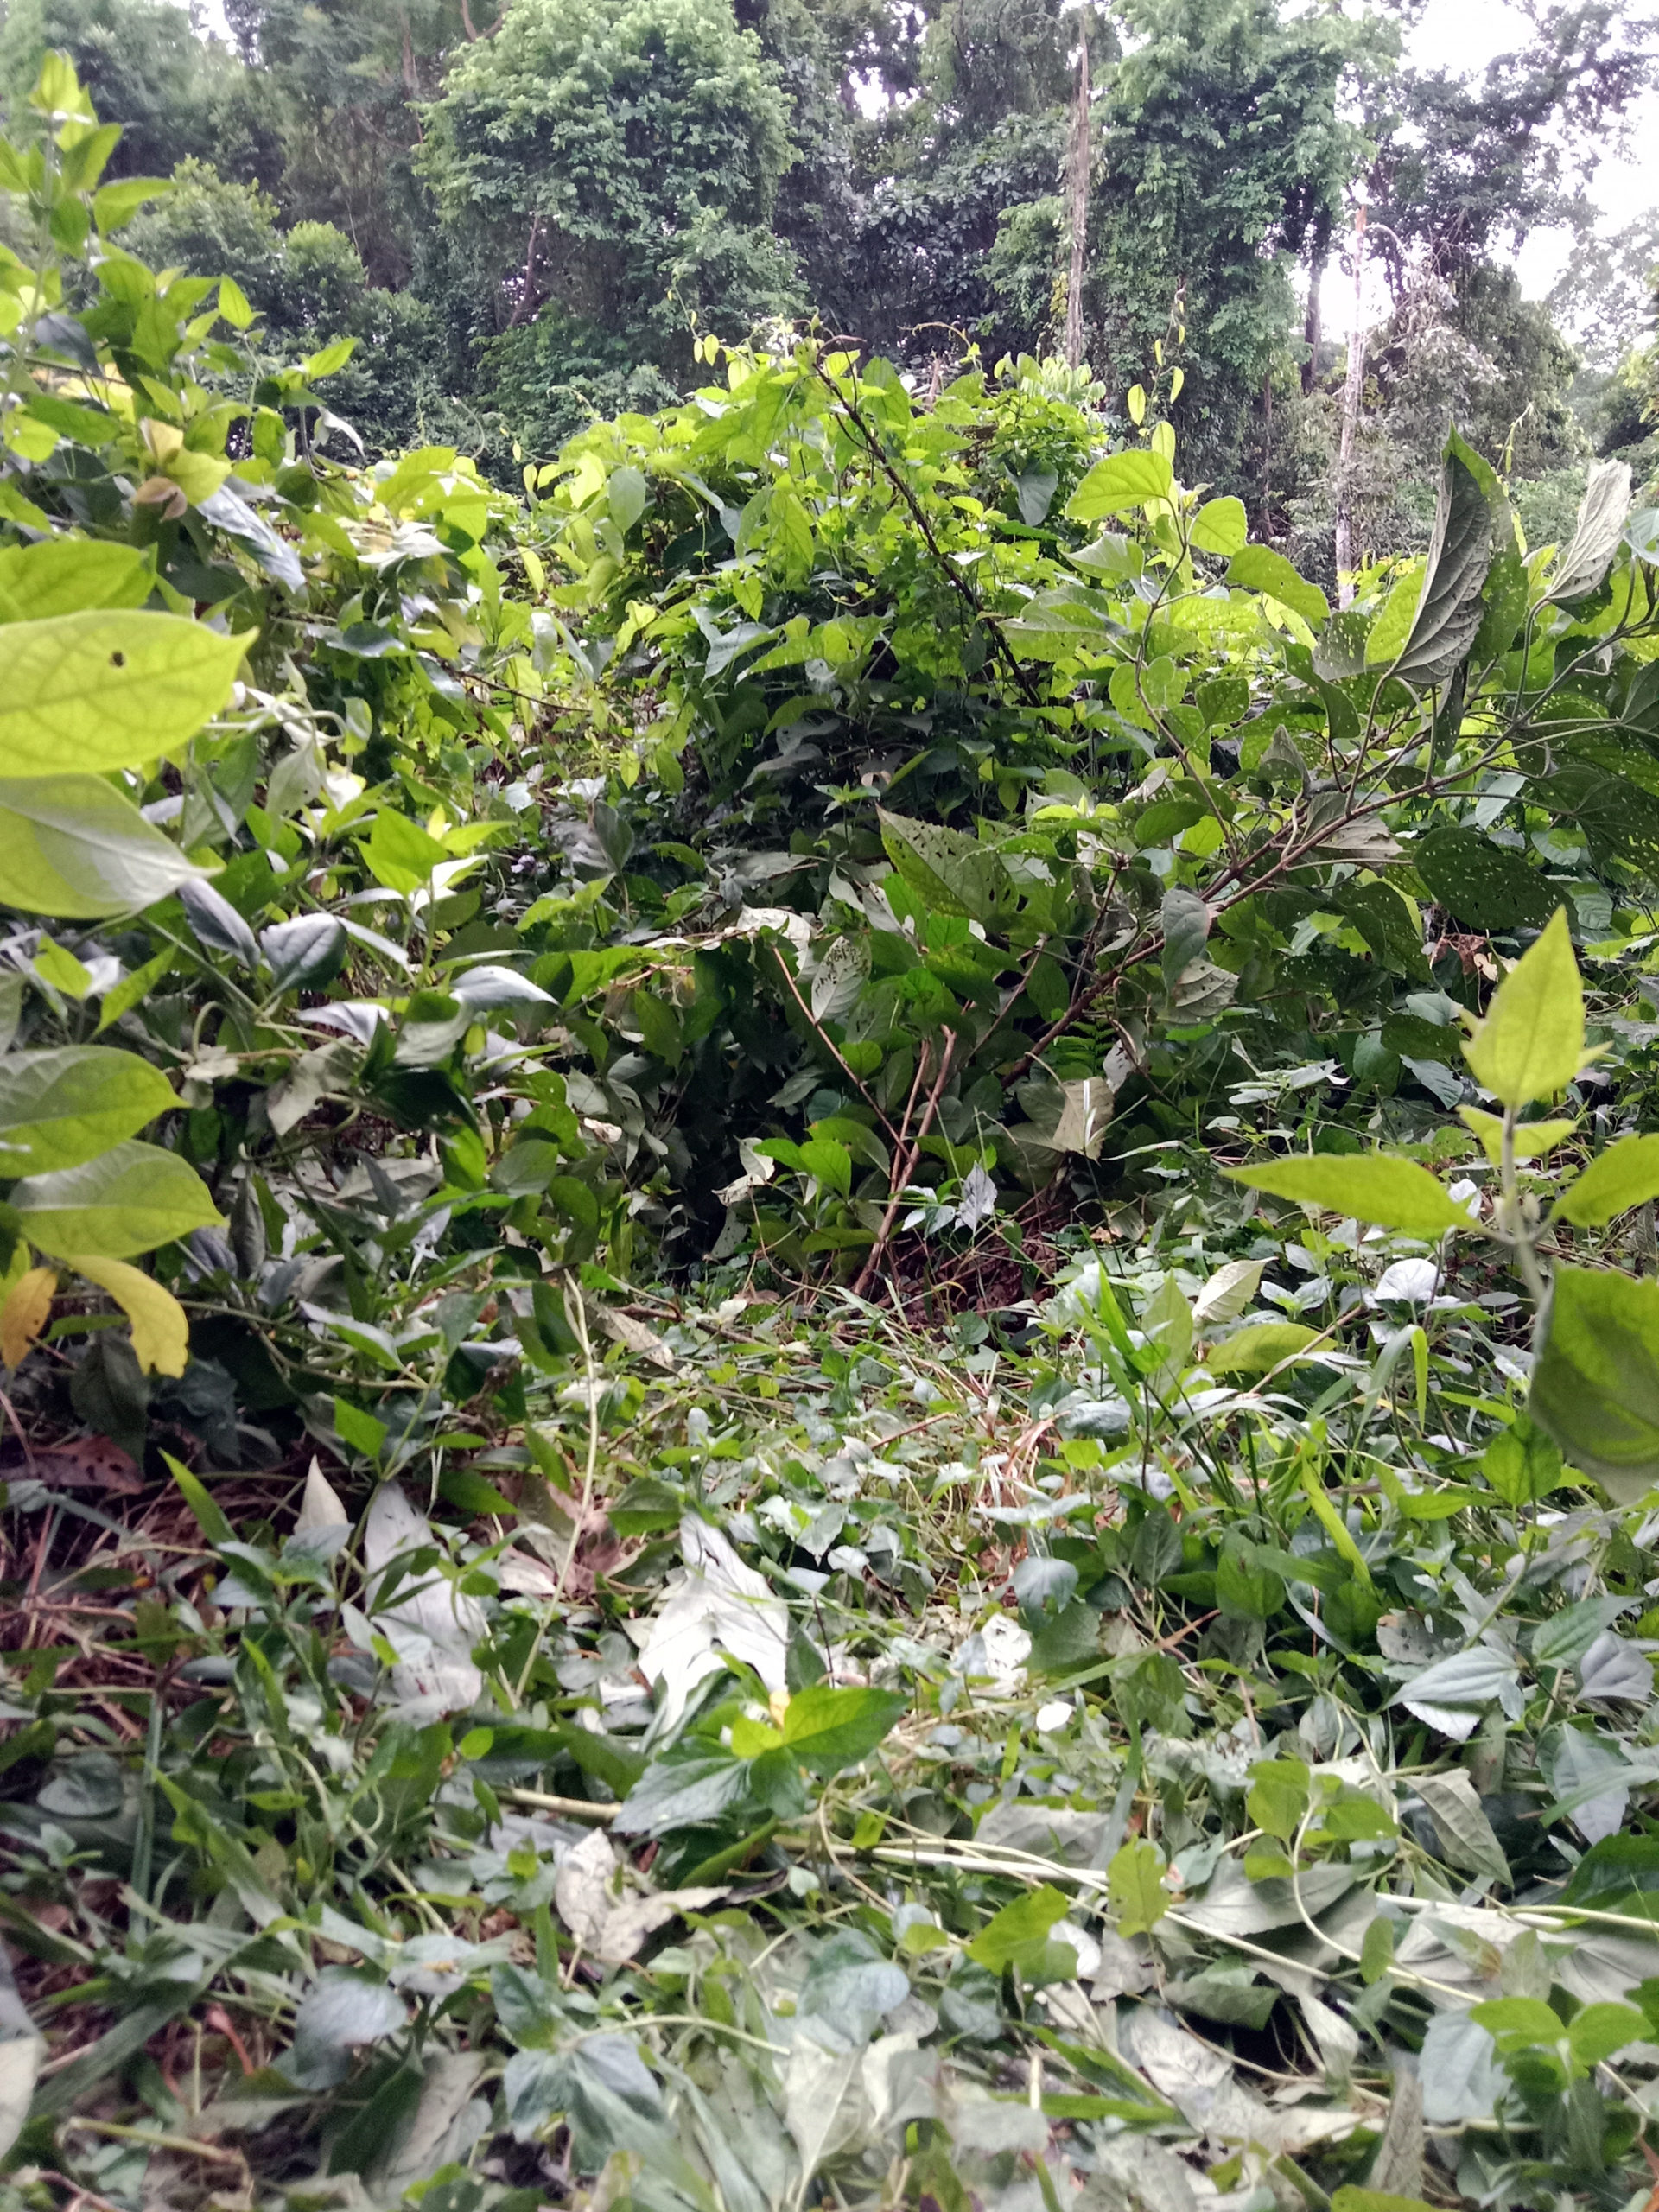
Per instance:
(1531,1043)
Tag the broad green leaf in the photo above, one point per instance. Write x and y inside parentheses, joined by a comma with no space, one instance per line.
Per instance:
(1372,1186)
(331,360)
(57,966)
(400,853)
(1135,1887)
(1121,481)
(1019,1931)
(110,690)
(1451,609)
(1220,526)
(828,1729)
(1532,1138)
(1522,1464)
(233,304)
(72,846)
(115,204)
(1258,568)
(1168,1323)
(1262,1345)
(1599,2030)
(829,1161)
(1483,886)
(62,1106)
(1185,922)
(1625,1175)
(1595,1387)
(127,1200)
(1515,2023)
(627,494)
(1386,638)
(1246,1590)
(1596,534)
(161,1333)
(1531,1043)
(953,873)
(1278,1796)
(66,575)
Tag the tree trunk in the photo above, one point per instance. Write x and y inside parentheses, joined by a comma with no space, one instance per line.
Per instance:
(1312,332)
(1353,393)
(1076,202)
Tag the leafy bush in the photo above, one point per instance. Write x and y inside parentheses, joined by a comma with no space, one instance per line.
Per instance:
(551,992)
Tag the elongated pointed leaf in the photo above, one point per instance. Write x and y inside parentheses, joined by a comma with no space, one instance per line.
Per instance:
(1597,532)
(1451,609)
(1531,1043)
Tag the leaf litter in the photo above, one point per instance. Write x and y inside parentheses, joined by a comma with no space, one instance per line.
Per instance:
(830,1848)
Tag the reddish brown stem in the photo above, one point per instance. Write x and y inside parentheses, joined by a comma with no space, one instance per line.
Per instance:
(903,1171)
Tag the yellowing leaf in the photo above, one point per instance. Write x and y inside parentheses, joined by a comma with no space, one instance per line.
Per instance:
(1531,1043)
(28,1304)
(161,1333)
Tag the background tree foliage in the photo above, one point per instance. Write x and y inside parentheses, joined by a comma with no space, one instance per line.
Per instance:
(534,208)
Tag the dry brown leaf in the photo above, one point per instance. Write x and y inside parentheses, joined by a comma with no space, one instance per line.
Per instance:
(81,1463)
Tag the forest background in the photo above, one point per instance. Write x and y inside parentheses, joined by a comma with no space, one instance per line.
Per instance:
(526,215)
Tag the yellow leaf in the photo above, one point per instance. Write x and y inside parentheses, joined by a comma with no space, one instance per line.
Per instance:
(1531,1043)
(1137,402)
(160,1334)
(28,1304)
(1177,378)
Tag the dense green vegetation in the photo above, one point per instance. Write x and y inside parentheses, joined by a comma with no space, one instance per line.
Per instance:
(827,1258)
(526,211)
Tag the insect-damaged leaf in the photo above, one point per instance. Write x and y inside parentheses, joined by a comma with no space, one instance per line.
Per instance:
(953,873)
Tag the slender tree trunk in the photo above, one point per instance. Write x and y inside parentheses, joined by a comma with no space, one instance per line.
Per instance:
(1312,331)
(527,284)
(1076,202)
(1353,393)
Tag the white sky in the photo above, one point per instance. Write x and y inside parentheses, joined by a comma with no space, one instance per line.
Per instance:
(1464,36)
